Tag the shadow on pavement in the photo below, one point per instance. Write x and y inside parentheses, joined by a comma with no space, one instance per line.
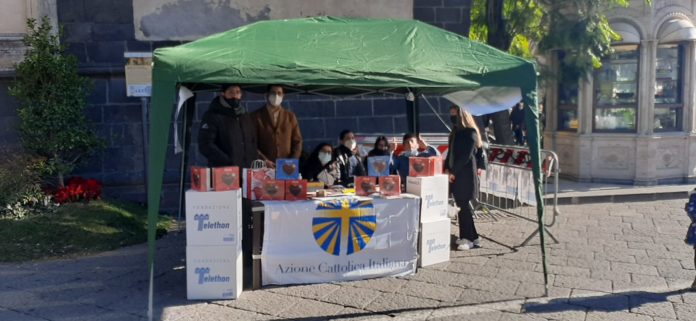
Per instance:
(602,303)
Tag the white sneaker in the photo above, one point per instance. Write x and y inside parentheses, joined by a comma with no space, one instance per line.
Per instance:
(465,246)
(461,241)
(477,242)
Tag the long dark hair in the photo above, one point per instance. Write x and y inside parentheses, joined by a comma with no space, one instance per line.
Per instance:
(313,166)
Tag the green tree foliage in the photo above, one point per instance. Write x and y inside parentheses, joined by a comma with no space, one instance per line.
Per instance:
(52,99)
(579,28)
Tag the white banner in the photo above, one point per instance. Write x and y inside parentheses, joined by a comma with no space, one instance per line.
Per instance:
(339,239)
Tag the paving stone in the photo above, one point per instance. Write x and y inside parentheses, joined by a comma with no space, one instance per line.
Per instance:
(474,296)
(480,316)
(66,312)
(383,284)
(582,283)
(685,311)
(205,311)
(528,290)
(634,268)
(313,291)
(616,316)
(595,301)
(389,303)
(352,314)
(308,309)
(466,268)
(352,296)
(264,302)
(431,291)
(488,284)
(652,307)
(556,309)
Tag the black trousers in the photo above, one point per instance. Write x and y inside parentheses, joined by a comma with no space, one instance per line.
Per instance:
(467,229)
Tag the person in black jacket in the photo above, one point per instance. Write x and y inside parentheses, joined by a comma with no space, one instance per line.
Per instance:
(227,136)
(464,140)
(349,162)
(320,166)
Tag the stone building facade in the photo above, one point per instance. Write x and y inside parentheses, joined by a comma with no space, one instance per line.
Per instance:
(98,32)
(634,120)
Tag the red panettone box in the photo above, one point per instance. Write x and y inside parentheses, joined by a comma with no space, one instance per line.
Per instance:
(365,185)
(270,190)
(424,166)
(225,178)
(390,185)
(296,190)
(200,178)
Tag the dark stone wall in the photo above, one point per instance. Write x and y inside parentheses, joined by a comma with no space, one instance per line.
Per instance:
(99,31)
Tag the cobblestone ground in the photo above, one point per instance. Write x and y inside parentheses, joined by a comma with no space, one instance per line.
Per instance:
(611,262)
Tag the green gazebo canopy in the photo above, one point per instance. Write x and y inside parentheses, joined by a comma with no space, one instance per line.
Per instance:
(332,56)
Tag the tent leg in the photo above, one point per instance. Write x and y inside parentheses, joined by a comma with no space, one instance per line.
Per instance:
(144,102)
(189,110)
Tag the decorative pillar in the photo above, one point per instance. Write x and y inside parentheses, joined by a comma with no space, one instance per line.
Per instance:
(646,87)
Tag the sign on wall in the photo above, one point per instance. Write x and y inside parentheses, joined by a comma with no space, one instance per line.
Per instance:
(157,20)
(138,74)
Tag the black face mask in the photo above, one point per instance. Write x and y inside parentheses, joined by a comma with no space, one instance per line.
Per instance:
(234,102)
(454,119)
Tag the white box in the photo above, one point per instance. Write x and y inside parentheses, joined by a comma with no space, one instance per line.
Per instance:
(434,243)
(214,218)
(213,272)
(434,194)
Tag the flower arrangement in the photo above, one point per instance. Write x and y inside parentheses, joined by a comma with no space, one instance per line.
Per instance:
(78,189)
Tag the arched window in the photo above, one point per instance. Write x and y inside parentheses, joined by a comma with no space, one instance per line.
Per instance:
(669,74)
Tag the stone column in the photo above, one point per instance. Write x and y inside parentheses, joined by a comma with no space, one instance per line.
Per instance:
(689,109)
(645,145)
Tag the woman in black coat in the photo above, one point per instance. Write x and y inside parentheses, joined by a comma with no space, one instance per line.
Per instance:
(464,140)
(320,166)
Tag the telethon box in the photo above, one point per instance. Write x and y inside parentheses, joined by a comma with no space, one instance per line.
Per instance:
(433,191)
(213,272)
(214,218)
(434,243)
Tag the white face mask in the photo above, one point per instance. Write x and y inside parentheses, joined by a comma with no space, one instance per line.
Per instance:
(350,144)
(275,100)
(324,158)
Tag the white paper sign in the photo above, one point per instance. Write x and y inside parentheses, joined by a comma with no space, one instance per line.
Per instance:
(341,239)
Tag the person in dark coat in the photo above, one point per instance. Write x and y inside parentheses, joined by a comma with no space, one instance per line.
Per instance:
(227,135)
(381,148)
(347,158)
(517,121)
(321,166)
(464,140)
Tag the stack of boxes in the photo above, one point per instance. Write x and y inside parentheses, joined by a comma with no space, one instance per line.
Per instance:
(213,239)
(434,242)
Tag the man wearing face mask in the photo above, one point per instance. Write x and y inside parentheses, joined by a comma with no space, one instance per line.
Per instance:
(227,136)
(347,158)
(277,129)
(414,146)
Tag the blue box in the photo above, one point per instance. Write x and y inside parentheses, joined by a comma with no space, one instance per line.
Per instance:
(378,166)
(287,169)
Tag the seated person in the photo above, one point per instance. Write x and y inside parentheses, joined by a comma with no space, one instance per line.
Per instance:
(320,166)
(347,158)
(381,148)
(414,146)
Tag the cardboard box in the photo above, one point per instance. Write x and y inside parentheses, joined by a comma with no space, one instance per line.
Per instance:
(378,166)
(214,218)
(434,194)
(213,272)
(270,190)
(253,179)
(287,169)
(434,244)
(365,185)
(390,185)
(424,166)
(200,178)
(225,178)
(296,190)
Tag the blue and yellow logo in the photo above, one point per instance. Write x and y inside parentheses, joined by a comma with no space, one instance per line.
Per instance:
(344,221)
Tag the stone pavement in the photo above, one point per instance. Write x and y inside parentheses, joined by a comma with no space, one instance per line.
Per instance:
(614,261)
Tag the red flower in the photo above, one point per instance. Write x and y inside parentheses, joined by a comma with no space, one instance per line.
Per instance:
(78,189)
